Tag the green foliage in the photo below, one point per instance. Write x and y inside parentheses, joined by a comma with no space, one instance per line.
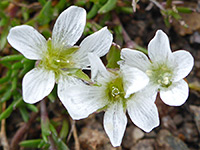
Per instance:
(173,12)
(11,58)
(42,17)
(31,143)
(113,56)
(64,130)
(109,5)
(49,131)
(24,113)
(10,108)
(46,14)
(10,84)
(93,11)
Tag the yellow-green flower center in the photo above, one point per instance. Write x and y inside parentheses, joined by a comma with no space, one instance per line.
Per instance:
(57,60)
(115,90)
(160,74)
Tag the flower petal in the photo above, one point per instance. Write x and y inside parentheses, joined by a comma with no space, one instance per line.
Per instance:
(27,41)
(98,43)
(135,58)
(69,27)
(97,67)
(143,111)
(115,123)
(133,79)
(184,63)
(37,84)
(159,47)
(81,100)
(176,94)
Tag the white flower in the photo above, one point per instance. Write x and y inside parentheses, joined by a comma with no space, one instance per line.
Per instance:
(165,69)
(113,93)
(57,56)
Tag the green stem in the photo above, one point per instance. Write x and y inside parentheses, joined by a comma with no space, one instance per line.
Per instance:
(45,124)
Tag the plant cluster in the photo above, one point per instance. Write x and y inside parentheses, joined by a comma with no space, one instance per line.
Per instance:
(130,81)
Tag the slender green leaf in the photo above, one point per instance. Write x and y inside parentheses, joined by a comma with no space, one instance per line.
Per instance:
(184,9)
(14,84)
(110,5)
(7,77)
(65,130)
(59,143)
(7,95)
(24,113)
(9,110)
(31,143)
(32,107)
(94,10)
(11,58)
(46,14)
(113,56)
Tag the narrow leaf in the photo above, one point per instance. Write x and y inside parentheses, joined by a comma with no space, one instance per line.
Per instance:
(113,56)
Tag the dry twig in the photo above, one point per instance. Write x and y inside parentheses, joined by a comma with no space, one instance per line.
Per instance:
(77,144)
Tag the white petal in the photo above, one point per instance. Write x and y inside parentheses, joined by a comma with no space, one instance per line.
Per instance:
(135,58)
(98,43)
(159,47)
(148,93)
(183,64)
(143,111)
(176,94)
(37,84)
(66,81)
(81,100)
(27,41)
(69,27)
(115,123)
(133,79)
(97,67)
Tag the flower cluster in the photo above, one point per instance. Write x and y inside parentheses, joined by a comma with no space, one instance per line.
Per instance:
(132,87)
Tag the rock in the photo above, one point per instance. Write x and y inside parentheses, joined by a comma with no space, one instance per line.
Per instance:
(195,38)
(166,141)
(197,64)
(92,139)
(127,141)
(178,119)
(151,134)
(191,19)
(131,137)
(137,134)
(188,118)
(196,111)
(190,132)
(145,144)
(168,123)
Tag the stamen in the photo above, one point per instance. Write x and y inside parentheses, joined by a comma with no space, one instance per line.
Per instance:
(161,75)
(115,91)
(149,73)
(166,80)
